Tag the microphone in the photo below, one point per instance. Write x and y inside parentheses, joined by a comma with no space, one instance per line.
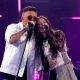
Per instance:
(46,32)
(31,25)
(46,27)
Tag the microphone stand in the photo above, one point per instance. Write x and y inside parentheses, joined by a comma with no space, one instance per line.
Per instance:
(27,38)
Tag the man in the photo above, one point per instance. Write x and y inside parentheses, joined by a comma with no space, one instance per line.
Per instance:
(15,37)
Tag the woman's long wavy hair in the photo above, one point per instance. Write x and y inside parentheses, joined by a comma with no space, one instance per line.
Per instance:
(55,39)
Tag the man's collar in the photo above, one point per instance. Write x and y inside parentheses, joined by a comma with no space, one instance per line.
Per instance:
(21,25)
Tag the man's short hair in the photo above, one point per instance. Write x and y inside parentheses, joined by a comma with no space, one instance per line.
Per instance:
(29,8)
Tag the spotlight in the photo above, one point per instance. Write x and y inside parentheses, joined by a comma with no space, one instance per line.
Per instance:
(76,18)
(0,16)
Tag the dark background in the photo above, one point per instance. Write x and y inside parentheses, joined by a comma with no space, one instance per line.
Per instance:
(59,12)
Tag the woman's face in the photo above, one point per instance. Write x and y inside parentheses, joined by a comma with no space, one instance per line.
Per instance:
(42,29)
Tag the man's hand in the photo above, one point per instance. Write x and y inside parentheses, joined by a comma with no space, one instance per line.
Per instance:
(15,37)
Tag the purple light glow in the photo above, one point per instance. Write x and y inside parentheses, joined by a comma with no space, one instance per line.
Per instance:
(19,6)
(36,75)
(76,18)
(0,16)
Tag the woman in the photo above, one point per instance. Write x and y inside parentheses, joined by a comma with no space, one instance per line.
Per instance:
(54,52)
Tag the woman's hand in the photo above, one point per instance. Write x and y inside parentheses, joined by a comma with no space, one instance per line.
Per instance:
(52,62)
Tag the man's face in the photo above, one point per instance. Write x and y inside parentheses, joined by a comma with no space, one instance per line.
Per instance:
(29,16)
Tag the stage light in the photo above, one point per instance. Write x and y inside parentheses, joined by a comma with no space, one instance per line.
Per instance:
(19,6)
(36,74)
(75,18)
(0,16)
(70,18)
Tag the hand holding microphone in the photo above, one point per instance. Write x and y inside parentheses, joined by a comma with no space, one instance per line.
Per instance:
(30,29)
(31,25)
